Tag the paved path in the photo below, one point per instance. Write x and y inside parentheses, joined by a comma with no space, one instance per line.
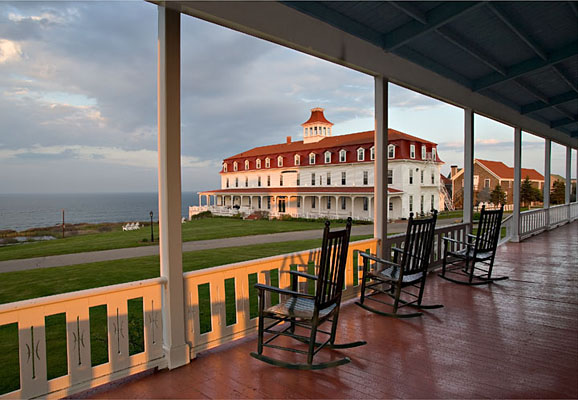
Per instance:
(131,252)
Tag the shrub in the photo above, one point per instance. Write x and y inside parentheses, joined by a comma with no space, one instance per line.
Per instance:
(204,214)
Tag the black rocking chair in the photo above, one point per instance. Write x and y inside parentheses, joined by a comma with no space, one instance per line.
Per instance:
(402,279)
(306,310)
(474,259)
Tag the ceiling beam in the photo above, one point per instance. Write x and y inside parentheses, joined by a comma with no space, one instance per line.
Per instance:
(435,18)
(563,76)
(574,7)
(411,10)
(550,102)
(471,48)
(517,29)
(564,122)
(527,66)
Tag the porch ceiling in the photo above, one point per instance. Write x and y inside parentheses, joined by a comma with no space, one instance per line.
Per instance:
(515,62)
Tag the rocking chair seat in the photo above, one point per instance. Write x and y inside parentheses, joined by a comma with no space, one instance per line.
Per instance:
(463,253)
(299,307)
(392,273)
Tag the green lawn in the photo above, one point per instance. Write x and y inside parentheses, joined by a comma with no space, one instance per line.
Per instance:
(202,229)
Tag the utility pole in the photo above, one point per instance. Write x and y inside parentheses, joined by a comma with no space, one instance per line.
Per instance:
(63,223)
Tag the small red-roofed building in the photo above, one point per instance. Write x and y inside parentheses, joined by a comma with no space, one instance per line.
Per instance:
(326,176)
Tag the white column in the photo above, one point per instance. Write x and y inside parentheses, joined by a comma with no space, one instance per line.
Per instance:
(380,165)
(176,349)
(517,179)
(568,179)
(468,202)
(547,173)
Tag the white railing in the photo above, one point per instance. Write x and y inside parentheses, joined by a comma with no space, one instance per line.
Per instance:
(533,222)
(558,215)
(574,211)
(34,345)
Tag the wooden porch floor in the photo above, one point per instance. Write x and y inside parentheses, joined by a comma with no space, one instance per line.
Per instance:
(514,339)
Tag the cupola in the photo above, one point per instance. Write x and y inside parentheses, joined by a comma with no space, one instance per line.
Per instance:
(317,126)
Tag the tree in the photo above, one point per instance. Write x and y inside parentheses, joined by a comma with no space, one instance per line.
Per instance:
(527,195)
(498,196)
(483,196)
(558,193)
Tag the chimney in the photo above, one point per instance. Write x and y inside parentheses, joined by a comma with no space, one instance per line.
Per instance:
(288,139)
(454,170)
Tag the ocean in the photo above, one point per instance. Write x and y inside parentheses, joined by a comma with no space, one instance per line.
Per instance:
(24,211)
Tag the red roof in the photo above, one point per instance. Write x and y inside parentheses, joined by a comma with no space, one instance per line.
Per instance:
(316,116)
(324,144)
(505,172)
(297,190)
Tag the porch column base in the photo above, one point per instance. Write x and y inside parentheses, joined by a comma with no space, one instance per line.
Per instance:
(177,356)
(515,239)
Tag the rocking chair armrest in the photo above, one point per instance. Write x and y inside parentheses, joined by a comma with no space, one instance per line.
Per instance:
(448,239)
(473,237)
(261,287)
(378,260)
(303,274)
(397,249)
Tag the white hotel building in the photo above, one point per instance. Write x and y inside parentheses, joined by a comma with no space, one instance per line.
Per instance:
(325,176)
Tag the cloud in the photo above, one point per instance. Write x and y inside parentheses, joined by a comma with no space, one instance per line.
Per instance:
(9,51)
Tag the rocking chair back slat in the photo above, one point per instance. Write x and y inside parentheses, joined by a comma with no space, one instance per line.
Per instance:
(332,266)
(488,230)
(418,244)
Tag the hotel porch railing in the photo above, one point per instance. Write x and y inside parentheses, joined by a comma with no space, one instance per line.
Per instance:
(221,306)
(533,222)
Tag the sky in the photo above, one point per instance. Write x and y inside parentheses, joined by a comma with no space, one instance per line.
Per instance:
(78,101)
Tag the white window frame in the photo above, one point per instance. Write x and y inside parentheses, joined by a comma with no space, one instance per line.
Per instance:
(391,151)
(298,179)
(344,203)
(267,162)
(280,179)
(343,178)
(235,166)
(224,167)
(313,179)
(237,181)
(365,177)
(247,165)
(487,183)
(246,181)
(372,153)
(390,176)
(327,157)
(227,182)
(421,176)
(433,154)
(410,203)
(258,163)
(432,203)
(258,181)
(423,152)
(328,179)
(279,161)
(342,156)
(361,154)
(412,151)
(411,176)
(297,159)
(268,180)
(312,158)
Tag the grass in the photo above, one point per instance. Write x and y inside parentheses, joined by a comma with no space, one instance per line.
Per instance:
(202,229)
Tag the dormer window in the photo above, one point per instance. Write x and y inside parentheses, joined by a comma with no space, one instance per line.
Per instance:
(258,163)
(311,158)
(327,157)
(297,160)
(391,151)
(423,152)
(279,161)
(235,166)
(372,153)
(342,156)
(267,162)
(361,154)
(433,154)
(412,151)
(224,167)
(246,164)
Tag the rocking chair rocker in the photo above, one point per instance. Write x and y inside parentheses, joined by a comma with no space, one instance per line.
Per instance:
(474,261)
(309,311)
(405,277)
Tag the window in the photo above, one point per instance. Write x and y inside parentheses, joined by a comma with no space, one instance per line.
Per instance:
(258,163)
(327,157)
(267,162)
(235,166)
(313,179)
(246,164)
(246,181)
(281,205)
(433,154)
(411,176)
(391,206)
(268,202)
(423,154)
(236,182)
(410,203)
(344,178)
(365,204)
(433,178)
(298,202)
(281,180)
(476,181)
(329,178)
(421,204)
(342,156)
(344,203)
(365,177)
(268,180)
(298,179)
(320,180)
(227,182)
(421,176)
(360,154)
(432,203)
(259,181)
(225,167)
(312,158)
(259,202)
(486,183)
(390,177)
(329,203)
(391,151)
(372,153)
(412,151)
(279,161)
(297,160)
(313,200)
